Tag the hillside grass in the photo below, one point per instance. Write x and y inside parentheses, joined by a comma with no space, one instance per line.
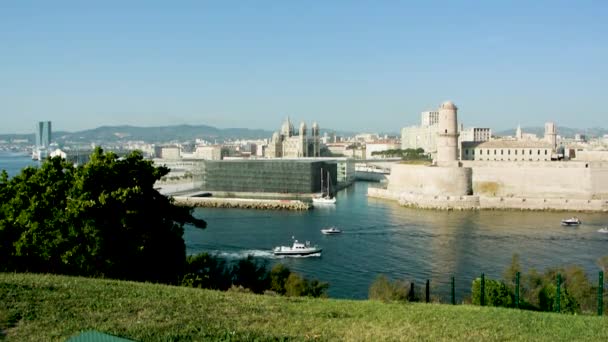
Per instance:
(54,308)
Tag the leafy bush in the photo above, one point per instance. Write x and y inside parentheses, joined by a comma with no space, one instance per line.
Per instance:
(388,291)
(496,293)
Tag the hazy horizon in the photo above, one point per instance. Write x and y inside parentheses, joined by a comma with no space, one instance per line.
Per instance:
(360,67)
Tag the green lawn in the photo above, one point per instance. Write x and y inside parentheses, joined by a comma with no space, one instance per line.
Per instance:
(48,307)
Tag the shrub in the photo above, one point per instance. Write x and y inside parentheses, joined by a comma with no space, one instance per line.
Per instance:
(496,293)
(387,291)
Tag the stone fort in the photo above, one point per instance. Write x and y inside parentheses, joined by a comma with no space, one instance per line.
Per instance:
(455,182)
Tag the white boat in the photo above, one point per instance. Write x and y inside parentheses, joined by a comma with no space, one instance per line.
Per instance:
(297,249)
(325,197)
(603,230)
(573,221)
(331,230)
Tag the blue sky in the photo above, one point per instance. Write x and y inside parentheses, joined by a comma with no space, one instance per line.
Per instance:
(350,65)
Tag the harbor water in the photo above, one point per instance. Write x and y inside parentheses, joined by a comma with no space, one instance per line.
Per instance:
(381,237)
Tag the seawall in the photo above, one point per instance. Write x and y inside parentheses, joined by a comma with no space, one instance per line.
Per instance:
(241,203)
(443,202)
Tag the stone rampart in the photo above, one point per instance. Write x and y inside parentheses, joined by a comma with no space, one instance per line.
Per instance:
(242,203)
(545,180)
(430,180)
(439,201)
(557,204)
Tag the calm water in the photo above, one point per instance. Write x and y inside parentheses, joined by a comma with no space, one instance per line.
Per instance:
(382,237)
(14,162)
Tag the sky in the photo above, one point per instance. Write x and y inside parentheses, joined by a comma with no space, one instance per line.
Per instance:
(365,66)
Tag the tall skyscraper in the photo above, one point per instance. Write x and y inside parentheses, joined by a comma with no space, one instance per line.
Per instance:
(43,134)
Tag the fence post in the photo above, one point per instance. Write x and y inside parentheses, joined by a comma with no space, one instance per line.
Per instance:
(517,290)
(600,294)
(453,292)
(428,291)
(557,298)
(482,291)
(412,295)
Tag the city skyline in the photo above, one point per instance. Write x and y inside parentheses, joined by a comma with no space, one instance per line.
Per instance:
(355,67)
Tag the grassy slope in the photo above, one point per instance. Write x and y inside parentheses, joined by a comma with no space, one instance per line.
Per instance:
(46,307)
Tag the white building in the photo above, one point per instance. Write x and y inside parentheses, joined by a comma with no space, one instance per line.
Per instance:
(423,136)
(210,152)
(380,146)
(475,134)
(507,150)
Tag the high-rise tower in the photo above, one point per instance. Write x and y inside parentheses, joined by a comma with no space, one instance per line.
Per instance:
(43,134)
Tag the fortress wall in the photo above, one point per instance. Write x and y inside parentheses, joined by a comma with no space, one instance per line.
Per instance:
(382,193)
(599,182)
(521,203)
(428,180)
(439,201)
(507,180)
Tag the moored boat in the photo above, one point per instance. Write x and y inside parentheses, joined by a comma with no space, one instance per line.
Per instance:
(297,249)
(573,221)
(603,230)
(326,196)
(331,230)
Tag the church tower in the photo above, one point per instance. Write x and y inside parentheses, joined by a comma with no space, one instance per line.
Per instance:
(303,141)
(316,140)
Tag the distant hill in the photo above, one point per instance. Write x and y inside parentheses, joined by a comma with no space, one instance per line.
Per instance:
(160,134)
(562,131)
(108,134)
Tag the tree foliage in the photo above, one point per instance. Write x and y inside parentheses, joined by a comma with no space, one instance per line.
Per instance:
(103,218)
(211,272)
(407,154)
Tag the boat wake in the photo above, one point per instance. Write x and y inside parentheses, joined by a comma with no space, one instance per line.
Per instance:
(256,253)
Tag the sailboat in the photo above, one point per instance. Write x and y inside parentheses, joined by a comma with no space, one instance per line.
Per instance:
(325,197)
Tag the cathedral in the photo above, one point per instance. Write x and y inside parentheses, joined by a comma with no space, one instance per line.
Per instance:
(289,144)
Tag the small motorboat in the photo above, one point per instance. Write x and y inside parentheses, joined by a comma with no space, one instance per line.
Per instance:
(331,230)
(603,230)
(297,249)
(573,221)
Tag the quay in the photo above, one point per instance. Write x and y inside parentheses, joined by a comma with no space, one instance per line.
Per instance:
(242,203)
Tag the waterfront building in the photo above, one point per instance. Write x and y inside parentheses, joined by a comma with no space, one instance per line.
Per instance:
(287,143)
(295,176)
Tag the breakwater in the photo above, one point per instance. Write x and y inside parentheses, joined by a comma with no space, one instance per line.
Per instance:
(242,203)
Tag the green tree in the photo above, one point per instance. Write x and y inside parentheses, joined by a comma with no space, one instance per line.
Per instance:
(103,218)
